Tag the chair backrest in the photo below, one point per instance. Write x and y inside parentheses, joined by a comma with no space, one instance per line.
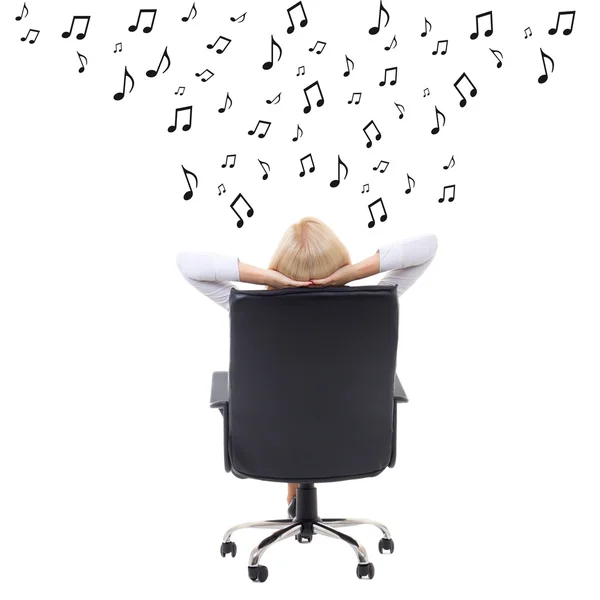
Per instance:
(311,382)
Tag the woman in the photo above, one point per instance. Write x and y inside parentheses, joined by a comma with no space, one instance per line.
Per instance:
(309,254)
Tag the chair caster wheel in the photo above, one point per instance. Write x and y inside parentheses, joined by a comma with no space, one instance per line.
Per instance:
(363,569)
(301,538)
(258,573)
(228,547)
(386,544)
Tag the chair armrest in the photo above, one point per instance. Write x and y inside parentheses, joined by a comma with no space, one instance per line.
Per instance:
(219,390)
(399,393)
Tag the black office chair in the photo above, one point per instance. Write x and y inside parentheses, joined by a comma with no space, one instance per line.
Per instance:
(310,396)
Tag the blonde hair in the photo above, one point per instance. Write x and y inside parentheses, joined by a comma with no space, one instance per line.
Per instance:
(309,249)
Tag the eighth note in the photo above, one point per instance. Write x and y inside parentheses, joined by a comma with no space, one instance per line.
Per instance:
(221,191)
(81,56)
(473,92)
(407,190)
(224,107)
(568,30)
(348,61)
(193,9)
(496,53)
(375,30)
(239,19)
(425,92)
(448,187)
(438,47)
(424,33)
(79,36)
(187,126)
(275,100)
(400,109)
(543,78)
(383,216)
(269,63)
(365,188)
(121,95)
(36,31)
(395,70)
(450,164)
(205,79)
(323,44)
(303,22)
(180,90)
(359,94)
(263,165)
(148,28)
(526,34)
(219,50)
(392,45)
(226,159)
(23,15)
(381,162)
(336,182)
(299,134)
(377,137)
(120,47)
(152,72)
(189,194)
(489,31)
(260,135)
(240,223)
(311,169)
(437,112)
(303,71)
(320,101)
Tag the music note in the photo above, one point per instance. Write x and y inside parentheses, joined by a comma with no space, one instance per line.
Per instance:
(227,158)
(473,92)
(180,90)
(275,100)
(261,135)
(437,112)
(496,53)
(240,19)
(407,190)
(400,110)
(165,54)
(205,79)
(438,47)
(192,10)
(121,95)
(263,165)
(187,126)
(348,61)
(543,78)
(323,44)
(224,107)
(383,216)
(381,162)
(450,164)
(568,30)
(359,94)
(377,137)
(120,47)
(299,134)
(425,92)
(424,33)
(240,223)
(375,30)
(303,71)
(269,63)
(311,169)
(79,36)
(303,22)
(336,182)
(321,100)
(448,187)
(489,31)
(81,56)
(365,190)
(148,28)
(528,34)
(23,15)
(223,190)
(219,50)
(36,31)
(189,194)
(395,70)
(392,45)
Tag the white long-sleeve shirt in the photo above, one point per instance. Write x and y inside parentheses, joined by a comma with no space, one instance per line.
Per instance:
(403,262)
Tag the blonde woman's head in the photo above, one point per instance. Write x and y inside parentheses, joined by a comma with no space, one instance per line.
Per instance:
(309,249)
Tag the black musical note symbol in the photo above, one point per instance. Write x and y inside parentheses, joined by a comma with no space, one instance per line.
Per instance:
(450,164)
(323,44)
(473,92)
(240,19)
(79,36)
(303,71)
(448,187)
(189,194)
(496,53)
(375,30)
(269,63)
(383,216)
(36,31)
(382,162)
(400,110)
(275,100)
(81,57)
(299,134)
(224,107)
(263,165)
(205,79)
(321,100)
(222,191)
(219,50)
(365,190)
(120,47)
(392,45)
(437,112)
(180,90)
(121,95)
(188,125)
(261,135)
(528,34)
(250,212)
(438,47)
(227,158)
(148,28)
(311,169)
(348,61)
(488,31)
(425,92)
(424,33)
(336,182)
(359,94)
(23,16)
(569,29)
(543,78)
(165,54)
(407,190)
(303,22)
(192,10)
(395,71)
(377,137)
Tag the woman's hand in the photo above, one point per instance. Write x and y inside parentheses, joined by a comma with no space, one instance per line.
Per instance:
(340,277)
(279,280)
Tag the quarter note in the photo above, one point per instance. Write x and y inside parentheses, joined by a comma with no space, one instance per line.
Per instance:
(383,216)
(24,12)
(79,36)
(400,110)
(121,95)
(336,182)
(269,63)
(359,94)
(189,194)
(437,112)
(365,188)
(407,190)
(323,44)
(528,34)
(320,101)
(299,134)
(569,29)
(425,92)
(240,19)
(221,191)
(375,30)
(424,33)
(205,78)
(250,212)
(120,47)
(448,187)
(192,10)
(543,78)
(224,107)
(227,158)
(263,165)
(148,28)
(377,137)
(489,31)
(303,22)
(36,31)
(275,100)
(219,50)
(180,90)
(382,162)
(392,45)
(165,54)
(395,71)
(473,92)
(261,135)
(81,57)
(303,71)
(450,164)
(188,125)
(311,169)
(348,61)
(438,47)
(496,53)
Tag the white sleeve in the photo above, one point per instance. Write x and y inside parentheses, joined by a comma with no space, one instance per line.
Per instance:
(210,274)
(406,260)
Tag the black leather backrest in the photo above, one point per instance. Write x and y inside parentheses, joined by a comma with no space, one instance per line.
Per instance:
(311,379)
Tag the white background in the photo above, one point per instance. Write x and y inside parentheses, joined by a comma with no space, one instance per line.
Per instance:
(111,461)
